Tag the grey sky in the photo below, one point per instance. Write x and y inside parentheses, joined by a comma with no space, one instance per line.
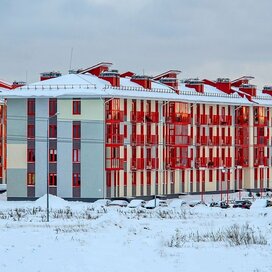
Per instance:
(203,38)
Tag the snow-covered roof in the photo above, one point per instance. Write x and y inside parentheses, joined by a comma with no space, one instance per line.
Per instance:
(89,86)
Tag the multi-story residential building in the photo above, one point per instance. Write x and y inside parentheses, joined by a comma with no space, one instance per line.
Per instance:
(97,133)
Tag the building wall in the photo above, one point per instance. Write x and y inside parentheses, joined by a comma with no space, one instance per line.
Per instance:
(16,148)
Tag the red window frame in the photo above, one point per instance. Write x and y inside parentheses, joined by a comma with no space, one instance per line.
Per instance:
(76,179)
(31,107)
(76,155)
(31,179)
(52,155)
(76,106)
(52,131)
(76,131)
(31,131)
(30,155)
(52,106)
(52,179)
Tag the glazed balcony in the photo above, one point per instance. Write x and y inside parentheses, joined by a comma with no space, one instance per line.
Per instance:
(225,120)
(114,116)
(228,162)
(202,140)
(242,120)
(137,164)
(178,140)
(178,163)
(180,118)
(114,164)
(227,140)
(241,162)
(242,140)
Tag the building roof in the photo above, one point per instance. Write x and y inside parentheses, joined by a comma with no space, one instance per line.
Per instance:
(89,86)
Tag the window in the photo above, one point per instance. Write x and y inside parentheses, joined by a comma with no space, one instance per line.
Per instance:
(30,131)
(53,179)
(76,131)
(31,107)
(31,179)
(77,106)
(30,155)
(52,155)
(52,131)
(76,180)
(76,155)
(52,106)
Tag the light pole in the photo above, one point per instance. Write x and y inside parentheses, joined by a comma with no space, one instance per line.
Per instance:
(47,172)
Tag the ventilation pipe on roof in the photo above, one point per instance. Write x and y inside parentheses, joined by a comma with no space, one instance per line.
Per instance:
(111,76)
(49,75)
(195,84)
(144,81)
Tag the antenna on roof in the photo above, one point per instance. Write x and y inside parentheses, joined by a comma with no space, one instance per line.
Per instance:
(71,57)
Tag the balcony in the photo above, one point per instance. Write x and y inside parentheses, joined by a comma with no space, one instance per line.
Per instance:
(114,116)
(214,162)
(261,162)
(227,140)
(137,140)
(201,119)
(260,121)
(214,140)
(151,139)
(203,140)
(178,140)
(213,120)
(114,164)
(228,162)
(152,117)
(242,120)
(242,141)
(115,140)
(151,164)
(241,162)
(201,162)
(225,120)
(180,118)
(178,163)
(137,164)
(137,117)
(261,140)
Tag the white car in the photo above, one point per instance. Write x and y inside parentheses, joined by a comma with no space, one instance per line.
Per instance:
(101,202)
(177,203)
(153,203)
(136,203)
(118,203)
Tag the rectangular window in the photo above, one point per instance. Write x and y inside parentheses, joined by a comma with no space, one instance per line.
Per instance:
(31,131)
(31,179)
(76,131)
(30,155)
(76,180)
(76,155)
(52,155)
(53,179)
(52,106)
(77,106)
(52,131)
(31,107)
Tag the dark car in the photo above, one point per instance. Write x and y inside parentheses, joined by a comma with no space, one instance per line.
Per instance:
(244,204)
(220,204)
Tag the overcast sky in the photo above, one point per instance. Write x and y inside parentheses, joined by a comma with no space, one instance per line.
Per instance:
(202,38)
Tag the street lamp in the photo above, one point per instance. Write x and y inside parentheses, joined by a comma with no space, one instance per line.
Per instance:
(47,172)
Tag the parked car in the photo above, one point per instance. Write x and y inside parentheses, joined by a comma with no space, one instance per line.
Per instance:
(101,202)
(177,203)
(153,203)
(196,203)
(220,204)
(244,204)
(136,203)
(118,203)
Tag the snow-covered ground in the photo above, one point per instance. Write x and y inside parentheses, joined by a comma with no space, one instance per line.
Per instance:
(84,237)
